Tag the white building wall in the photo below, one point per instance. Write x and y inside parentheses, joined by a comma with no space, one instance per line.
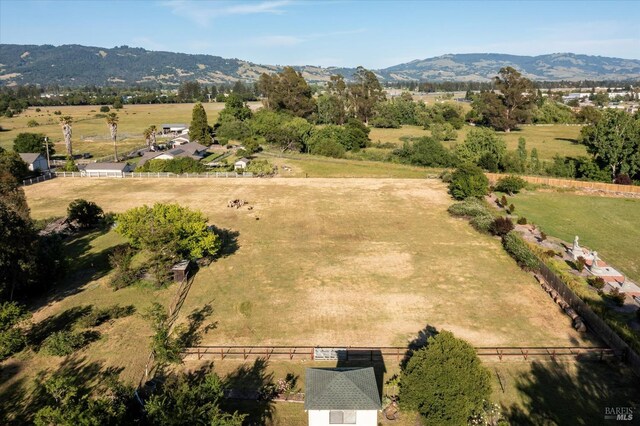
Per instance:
(363,418)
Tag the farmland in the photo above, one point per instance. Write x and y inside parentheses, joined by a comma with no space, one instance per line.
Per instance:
(91,134)
(359,262)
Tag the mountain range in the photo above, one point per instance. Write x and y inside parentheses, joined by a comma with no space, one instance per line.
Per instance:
(76,65)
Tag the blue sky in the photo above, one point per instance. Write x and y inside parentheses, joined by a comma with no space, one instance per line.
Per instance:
(374,34)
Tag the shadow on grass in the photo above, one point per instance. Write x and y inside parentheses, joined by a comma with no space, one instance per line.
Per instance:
(552,394)
(20,402)
(247,394)
(573,141)
(229,241)
(60,322)
(191,334)
(84,267)
(418,342)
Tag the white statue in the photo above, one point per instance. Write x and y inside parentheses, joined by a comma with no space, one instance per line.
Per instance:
(594,262)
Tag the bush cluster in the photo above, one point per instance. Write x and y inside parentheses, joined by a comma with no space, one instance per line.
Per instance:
(471,207)
(468,181)
(482,223)
(66,342)
(522,220)
(510,184)
(518,249)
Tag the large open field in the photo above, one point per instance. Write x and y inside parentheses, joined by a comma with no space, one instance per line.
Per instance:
(322,262)
(354,261)
(91,134)
(610,226)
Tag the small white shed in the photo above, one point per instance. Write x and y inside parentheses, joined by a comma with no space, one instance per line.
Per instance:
(241,163)
(342,396)
(106,169)
(35,161)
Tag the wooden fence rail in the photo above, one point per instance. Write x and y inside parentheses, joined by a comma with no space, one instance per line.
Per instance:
(351,353)
(568,183)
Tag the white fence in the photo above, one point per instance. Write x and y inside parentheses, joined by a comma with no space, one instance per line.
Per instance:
(37,179)
(151,175)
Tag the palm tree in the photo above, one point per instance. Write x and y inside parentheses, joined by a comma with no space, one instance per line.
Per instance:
(112,122)
(150,136)
(66,122)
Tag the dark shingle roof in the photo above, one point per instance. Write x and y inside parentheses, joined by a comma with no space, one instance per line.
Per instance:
(29,157)
(341,389)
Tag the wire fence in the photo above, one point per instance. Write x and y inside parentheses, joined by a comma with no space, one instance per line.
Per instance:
(569,183)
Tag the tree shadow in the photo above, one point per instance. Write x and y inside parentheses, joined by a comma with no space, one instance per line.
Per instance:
(419,342)
(61,322)
(573,141)
(84,267)
(20,402)
(191,334)
(229,241)
(554,394)
(249,392)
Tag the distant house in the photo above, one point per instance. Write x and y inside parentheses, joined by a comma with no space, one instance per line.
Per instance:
(342,396)
(180,140)
(191,149)
(174,128)
(106,169)
(241,163)
(35,161)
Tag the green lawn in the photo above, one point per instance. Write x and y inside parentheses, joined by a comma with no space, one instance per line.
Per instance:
(611,226)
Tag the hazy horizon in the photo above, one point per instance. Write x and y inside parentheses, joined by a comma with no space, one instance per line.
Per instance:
(375,34)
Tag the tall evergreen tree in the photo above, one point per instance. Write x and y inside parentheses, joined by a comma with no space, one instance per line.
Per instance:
(364,94)
(199,128)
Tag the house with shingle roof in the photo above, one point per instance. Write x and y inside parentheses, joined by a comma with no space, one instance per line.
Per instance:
(342,396)
(35,161)
(191,149)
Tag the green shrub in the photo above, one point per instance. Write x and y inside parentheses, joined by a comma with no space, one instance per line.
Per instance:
(501,226)
(12,337)
(580,263)
(511,208)
(522,220)
(445,176)
(468,181)
(105,108)
(596,282)
(510,184)
(63,343)
(471,207)
(123,275)
(85,213)
(519,250)
(32,123)
(445,381)
(503,201)
(482,223)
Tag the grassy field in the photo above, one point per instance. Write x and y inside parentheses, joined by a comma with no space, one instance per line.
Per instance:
(91,134)
(548,140)
(611,226)
(318,262)
(369,262)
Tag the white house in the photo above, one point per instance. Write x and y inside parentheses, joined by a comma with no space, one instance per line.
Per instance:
(180,140)
(342,396)
(241,163)
(35,161)
(106,169)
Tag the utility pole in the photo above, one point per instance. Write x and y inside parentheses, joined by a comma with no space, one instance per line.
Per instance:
(46,144)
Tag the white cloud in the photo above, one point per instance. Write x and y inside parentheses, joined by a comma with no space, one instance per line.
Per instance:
(202,13)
